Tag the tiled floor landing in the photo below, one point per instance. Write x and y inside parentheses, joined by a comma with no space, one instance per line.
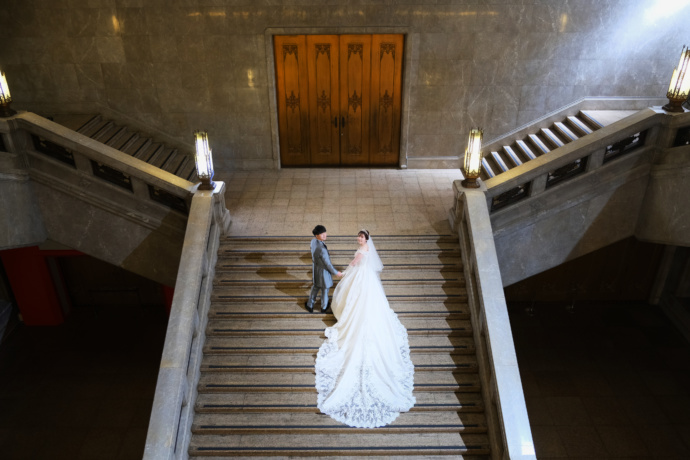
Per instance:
(385,201)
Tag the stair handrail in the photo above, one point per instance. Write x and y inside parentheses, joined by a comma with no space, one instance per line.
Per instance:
(584,103)
(71,140)
(533,175)
(169,432)
(510,434)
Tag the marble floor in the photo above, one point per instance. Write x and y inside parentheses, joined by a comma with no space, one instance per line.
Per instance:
(384,201)
(604,381)
(82,390)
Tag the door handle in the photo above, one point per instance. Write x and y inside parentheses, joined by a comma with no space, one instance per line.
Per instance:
(342,122)
(335,121)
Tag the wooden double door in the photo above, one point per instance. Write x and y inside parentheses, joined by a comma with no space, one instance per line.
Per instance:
(339,99)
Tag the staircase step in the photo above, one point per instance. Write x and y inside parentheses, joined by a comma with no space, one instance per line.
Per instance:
(145,150)
(311,344)
(430,401)
(350,239)
(300,275)
(115,139)
(347,254)
(486,167)
(345,244)
(499,161)
(105,131)
(159,156)
(539,144)
(342,444)
(303,423)
(221,382)
(94,127)
(551,137)
(304,263)
(566,133)
(303,362)
(173,162)
(411,292)
(522,145)
(590,119)
(314,325)
(579,126)
(82,125)
(249,309)
(129,143)
(510,153)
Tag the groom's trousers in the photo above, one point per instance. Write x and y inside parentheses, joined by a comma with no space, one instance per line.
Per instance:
(315,292)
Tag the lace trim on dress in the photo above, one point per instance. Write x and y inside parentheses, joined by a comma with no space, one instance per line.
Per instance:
(364,407)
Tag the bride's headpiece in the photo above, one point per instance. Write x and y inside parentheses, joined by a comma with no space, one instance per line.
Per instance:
(365,231)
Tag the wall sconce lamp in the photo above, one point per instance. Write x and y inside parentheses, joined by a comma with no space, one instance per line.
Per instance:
(680,84)
(473,159)
(5,98)
(204,161)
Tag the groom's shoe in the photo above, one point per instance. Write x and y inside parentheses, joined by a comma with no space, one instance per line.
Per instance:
(309,309)
(324,310)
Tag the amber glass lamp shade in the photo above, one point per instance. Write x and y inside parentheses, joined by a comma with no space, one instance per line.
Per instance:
(473,159)
(204,161)
(5,97)
(679,88)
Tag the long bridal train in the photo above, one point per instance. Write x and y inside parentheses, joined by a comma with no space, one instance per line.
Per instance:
(364,375)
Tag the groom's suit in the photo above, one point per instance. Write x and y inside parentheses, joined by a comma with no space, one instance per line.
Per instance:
(322,269)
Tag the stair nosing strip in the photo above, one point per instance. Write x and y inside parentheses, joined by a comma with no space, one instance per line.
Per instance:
(257,427)
(344,449)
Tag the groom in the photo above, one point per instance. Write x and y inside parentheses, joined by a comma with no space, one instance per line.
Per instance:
(321,270)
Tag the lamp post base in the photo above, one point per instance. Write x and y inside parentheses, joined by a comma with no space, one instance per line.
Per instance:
(674,105)
(210,185)
(6,111)
(470,182)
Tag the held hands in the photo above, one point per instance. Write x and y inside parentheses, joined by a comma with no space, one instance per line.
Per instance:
(339,274)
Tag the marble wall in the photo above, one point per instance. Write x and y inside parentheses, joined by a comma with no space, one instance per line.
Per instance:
(178,65)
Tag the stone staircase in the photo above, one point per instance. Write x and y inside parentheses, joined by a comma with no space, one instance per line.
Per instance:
(547,139)
(256,394)
(132,142)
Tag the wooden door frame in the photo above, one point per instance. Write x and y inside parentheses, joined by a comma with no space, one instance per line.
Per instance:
(410,49)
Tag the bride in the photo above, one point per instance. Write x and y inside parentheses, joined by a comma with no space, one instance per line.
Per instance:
(364,375)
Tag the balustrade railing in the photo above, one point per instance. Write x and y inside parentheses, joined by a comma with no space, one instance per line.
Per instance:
(38,145)
(631,135)
(509,429)
(173,405)
(41,139)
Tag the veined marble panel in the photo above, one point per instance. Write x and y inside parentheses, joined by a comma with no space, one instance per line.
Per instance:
(496,64)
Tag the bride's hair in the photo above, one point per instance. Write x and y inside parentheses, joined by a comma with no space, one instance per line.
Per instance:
(365,233)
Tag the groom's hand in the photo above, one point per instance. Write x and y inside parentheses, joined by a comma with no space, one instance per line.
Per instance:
(339,274)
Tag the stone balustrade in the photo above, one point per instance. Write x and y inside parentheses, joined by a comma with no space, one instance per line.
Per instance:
(173,405)
(634,133)
(506,413)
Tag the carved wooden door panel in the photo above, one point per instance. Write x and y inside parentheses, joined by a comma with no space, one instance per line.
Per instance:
(324,112)
(355,94)
(386,76)
(293,100)
(339,99)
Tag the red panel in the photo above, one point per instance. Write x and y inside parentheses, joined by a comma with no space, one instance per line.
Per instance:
(32,286)
(168,293)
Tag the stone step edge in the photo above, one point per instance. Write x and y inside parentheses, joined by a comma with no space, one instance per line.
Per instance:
(309,388)
(340,450)
(312,408)
(315,429)
(217,350)
(463,368)
(223,316)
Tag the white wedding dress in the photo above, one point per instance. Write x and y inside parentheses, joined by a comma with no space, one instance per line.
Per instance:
(364,375)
